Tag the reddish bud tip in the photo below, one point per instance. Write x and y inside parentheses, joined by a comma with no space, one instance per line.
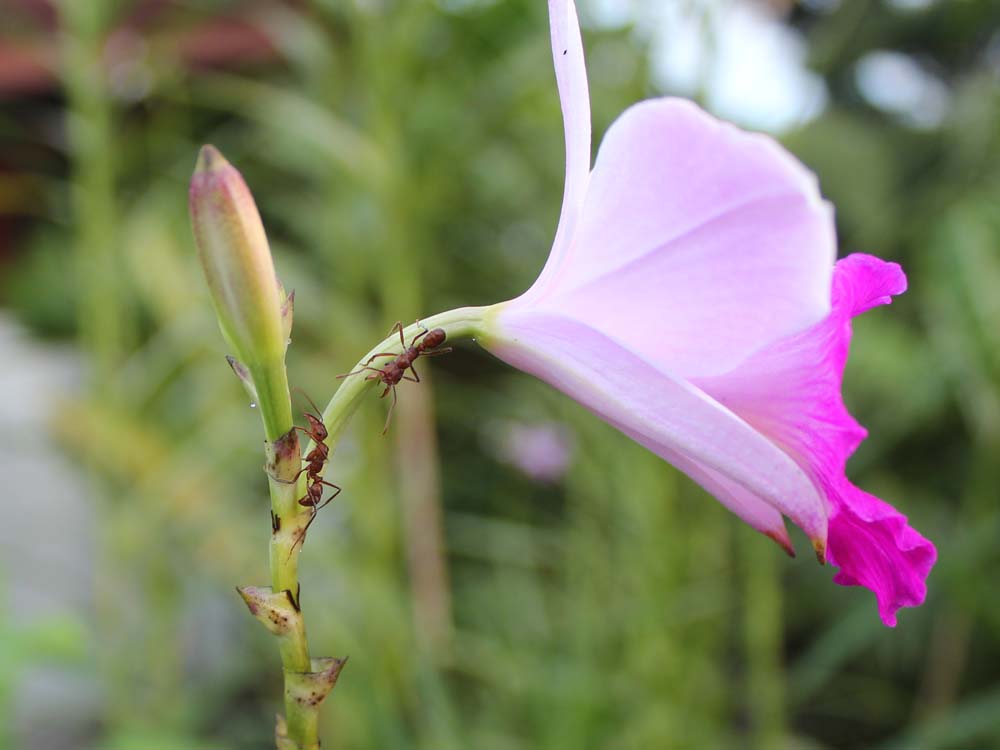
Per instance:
(782,539)
(210,159)
(820,546)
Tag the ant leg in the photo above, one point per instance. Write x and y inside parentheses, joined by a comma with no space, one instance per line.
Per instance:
(300,537)
(436,352)
(365,367)
(316,508)
(424,331)
(380,354)
(398,327)
(376,373)
(332,486)
(388,417)
(415,378)
(326,502)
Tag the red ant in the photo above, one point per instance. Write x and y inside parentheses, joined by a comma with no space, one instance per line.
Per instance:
(425,343)
(315,460)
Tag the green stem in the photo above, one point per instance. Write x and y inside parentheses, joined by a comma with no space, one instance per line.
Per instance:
(284,559)
(763,634)
(463,322)
(91,133)
(288,532)
(271,381)
(300,729)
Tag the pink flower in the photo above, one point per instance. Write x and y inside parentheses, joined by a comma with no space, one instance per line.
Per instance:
(692,300)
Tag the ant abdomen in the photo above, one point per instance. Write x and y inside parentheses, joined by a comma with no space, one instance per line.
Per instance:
(434,338)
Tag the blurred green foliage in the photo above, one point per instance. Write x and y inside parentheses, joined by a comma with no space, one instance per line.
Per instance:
(407,158)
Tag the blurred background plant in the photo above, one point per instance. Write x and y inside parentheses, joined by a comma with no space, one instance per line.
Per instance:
(407,158)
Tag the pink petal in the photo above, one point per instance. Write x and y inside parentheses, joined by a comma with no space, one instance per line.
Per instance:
(791,391)
(748,472)
(703,301)
(872,544)
(754,511)
(574,96)
(687,301)
(698,243)
(862,282)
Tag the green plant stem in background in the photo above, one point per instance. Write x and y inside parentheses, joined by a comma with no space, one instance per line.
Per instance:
(89,127)
(402,244)
(765,688)
(100,313)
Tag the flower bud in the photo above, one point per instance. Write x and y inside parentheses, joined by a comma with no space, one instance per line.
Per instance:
(253,311)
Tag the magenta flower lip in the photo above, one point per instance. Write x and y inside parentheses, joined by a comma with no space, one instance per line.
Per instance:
(692,299)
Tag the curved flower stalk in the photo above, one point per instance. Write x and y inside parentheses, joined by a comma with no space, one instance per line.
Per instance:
(692,300)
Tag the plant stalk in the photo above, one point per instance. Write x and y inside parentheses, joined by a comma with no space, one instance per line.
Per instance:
(307,681)
(460,323)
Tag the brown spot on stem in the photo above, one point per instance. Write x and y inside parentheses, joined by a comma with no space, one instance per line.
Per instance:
(287,446)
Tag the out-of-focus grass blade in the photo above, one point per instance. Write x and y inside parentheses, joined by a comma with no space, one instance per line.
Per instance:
(971,723)
(293,116)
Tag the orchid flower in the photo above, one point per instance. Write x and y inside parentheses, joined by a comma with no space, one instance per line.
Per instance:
(692,300)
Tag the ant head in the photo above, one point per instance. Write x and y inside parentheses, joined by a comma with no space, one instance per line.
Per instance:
(316,426)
